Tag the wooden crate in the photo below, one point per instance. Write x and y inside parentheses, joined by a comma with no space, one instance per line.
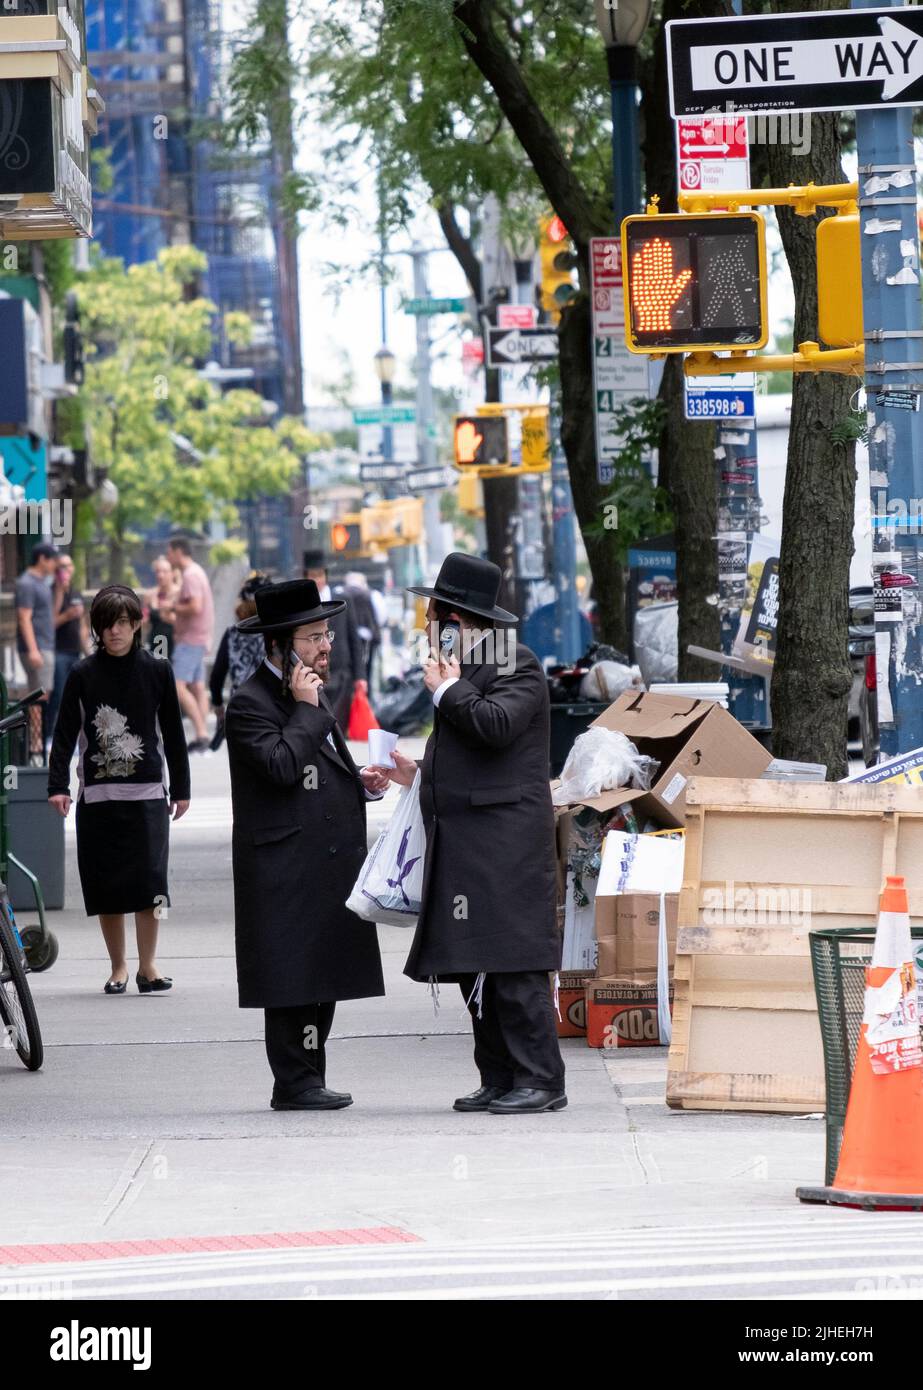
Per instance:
(765,862)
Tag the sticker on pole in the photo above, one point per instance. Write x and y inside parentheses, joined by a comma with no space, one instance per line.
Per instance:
(892,1022)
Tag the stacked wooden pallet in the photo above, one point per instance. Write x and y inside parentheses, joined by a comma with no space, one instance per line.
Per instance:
(765,863)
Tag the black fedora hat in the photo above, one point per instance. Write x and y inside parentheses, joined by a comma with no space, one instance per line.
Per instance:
(469,584)
(287,605)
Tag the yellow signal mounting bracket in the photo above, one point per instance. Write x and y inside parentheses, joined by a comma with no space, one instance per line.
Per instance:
(804,200)
(810,357)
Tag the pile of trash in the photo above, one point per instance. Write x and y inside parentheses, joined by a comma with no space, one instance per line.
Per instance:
(601,674)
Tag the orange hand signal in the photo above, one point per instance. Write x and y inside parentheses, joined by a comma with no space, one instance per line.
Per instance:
(654,291)
(467,442)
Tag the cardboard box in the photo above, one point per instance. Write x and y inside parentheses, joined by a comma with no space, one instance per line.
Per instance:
(622,1012)
(688,738)
(572,1003)
(627,931)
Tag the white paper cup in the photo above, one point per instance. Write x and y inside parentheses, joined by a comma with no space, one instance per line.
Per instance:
(381,746)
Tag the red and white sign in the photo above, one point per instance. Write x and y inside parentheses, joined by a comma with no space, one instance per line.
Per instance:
(606,281)
(472,355)
(712,153)
(516,316)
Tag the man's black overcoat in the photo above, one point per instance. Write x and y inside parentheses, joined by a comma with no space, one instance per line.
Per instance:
(299,842)
(489,877)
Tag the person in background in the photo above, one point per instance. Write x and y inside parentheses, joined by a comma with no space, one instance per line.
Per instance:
(359,596)
(160,599)
(239,653)
(194,625)
(119,707)
(347,670)
(35,633)
(69,640)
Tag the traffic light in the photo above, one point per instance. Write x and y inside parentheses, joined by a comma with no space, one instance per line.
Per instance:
(839,280)
(695,283)
(395,522)
(346,537)
(480,440)
(558,262)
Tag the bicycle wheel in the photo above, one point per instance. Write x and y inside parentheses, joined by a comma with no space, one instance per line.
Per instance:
(17,1011)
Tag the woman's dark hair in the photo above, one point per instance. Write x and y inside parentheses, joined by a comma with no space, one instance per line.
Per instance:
(111,603)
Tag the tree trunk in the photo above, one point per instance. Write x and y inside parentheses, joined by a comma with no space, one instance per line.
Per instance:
(578,437)
(811,677)
(690,448)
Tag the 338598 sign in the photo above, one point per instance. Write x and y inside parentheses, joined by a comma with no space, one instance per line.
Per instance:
(694,283)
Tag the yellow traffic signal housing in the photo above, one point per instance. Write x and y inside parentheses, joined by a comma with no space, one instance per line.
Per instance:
(558,261)
(388,524)
(346,537)
(839,280)
(470,496)
(536,441)
(695,283)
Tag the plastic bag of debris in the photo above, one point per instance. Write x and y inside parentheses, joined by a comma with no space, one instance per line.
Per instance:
(603,760)
(607,680)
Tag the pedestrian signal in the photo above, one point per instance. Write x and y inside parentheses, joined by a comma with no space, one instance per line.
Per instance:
(480,440)
(695,283)
(346,537)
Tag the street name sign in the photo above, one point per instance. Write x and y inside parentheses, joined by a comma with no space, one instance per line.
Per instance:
(515,346)
(825,60)
(385,415)
(380,471)
(427,479)
(424,307)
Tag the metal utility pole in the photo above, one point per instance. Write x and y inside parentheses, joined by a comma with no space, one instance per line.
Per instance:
(567,614)
(893,330)
(426,418)
(500,494)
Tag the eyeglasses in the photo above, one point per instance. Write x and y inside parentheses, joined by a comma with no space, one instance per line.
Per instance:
(314,639)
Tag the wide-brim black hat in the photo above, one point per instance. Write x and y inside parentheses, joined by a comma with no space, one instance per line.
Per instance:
(280,607)
(469,584)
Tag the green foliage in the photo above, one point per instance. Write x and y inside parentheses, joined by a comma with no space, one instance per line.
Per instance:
(641,508)
(223,552)
(143,396)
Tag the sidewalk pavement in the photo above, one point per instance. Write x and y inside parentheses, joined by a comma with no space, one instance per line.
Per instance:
(151,1117)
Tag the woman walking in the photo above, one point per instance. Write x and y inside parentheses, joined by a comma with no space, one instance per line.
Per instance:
(133,773)
(238,655)
(160,608)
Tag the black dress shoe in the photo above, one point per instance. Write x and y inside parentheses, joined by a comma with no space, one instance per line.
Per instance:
(146,986)
(116,986)
(479,1099)
(317,1099)
(526,1100)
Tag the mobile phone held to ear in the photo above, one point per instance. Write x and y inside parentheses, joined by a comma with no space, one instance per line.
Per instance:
(449,635)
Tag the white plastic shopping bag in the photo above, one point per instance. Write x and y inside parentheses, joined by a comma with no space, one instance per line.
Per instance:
(389,888)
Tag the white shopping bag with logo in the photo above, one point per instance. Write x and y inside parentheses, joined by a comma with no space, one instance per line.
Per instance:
(389,888)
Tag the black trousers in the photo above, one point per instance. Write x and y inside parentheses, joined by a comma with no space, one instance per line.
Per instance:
(515,1040)
(295,1041)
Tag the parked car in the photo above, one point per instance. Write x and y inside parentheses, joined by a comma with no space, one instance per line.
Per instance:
(863,696)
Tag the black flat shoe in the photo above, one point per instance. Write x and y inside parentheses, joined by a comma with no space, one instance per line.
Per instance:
(146,986)
(116,986)
(318,1099)
(479,1099)
(526,1100)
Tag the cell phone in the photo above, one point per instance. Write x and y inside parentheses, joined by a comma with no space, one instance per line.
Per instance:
(449,634)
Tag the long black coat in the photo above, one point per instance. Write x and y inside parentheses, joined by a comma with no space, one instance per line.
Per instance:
(489,875)
(298,850)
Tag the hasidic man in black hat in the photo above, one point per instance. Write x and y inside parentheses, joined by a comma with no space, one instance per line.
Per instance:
(488,915)
(299,842)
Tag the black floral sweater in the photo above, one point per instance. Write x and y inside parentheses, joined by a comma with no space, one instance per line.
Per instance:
(123,716)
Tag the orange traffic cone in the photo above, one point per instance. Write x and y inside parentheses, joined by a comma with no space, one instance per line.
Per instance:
(881,1158)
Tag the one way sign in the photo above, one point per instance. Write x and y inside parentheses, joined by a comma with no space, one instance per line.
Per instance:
(827,60)
(515,346)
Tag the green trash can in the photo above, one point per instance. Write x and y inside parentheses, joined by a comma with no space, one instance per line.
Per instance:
(839,958)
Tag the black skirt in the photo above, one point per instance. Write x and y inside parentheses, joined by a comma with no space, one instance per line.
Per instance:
(122,851)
